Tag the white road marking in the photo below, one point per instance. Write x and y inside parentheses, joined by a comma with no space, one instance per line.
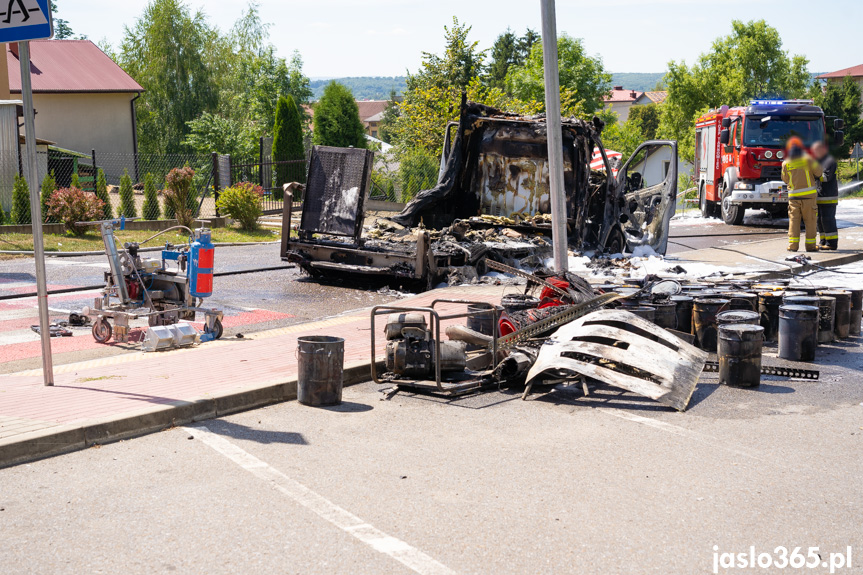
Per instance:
(65,262)
(681,431)
(399,550)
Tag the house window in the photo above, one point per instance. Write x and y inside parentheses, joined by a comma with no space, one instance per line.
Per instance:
(374,133)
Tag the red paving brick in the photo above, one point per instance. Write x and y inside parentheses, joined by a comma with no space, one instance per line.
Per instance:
(111,387)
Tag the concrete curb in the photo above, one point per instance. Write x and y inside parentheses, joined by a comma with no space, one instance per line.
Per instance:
(62,439)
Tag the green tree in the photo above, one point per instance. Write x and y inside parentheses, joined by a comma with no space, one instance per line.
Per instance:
(841,101)
(431,100)
(460,63)
(150,210)
(127,196)
(62,30)
(647,115)
(622,137)
(48,187)
(504,53)
(389,118)
(337,119)
(748,63)
(20,202)
(418,171)
(213,132)
(166,51)
(288,144)
(582,75)
(102,194)
(76,180)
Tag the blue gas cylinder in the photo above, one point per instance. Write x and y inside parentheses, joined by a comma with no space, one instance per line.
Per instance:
(201,264)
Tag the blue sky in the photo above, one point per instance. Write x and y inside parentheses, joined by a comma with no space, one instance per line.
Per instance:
(385,37)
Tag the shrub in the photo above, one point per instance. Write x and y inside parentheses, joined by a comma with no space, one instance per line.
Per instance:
(102,194)
(287,144)
(150,209)
(20,202)
(76,181)
(71,205)
(179,188)
(49,184)
(242,202)
(337,119)
(127,196)
(2,215)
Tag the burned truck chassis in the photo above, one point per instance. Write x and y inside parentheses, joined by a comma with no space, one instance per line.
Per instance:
(497,165)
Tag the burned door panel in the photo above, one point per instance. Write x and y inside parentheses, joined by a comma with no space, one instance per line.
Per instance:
(647,188)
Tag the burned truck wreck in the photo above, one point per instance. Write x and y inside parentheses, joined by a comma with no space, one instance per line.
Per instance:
(491,201)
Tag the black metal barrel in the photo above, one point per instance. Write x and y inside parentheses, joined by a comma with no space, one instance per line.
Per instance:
(798,332)
(842,324)
(683,310)
(740,354)
(768,307)
(856,311)
(648,312)
(742,300)
(665,313)
(826,318)
(800,300)
(320,369)
(738,316)
(704,312)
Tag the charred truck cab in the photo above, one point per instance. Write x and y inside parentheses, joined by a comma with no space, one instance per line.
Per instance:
(495,165)
(739,152)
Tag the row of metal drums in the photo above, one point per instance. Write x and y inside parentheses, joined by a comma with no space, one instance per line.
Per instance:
(733,321)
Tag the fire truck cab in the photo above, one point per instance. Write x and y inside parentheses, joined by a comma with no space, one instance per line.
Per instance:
(739,152)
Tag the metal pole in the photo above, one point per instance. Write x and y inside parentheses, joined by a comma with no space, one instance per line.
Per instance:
(36,212)
(555,136)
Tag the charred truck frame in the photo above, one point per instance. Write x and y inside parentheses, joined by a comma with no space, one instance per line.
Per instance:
(495,164)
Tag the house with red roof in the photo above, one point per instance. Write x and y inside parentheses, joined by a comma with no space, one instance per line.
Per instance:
(84,101)
(620,100)
(837,77)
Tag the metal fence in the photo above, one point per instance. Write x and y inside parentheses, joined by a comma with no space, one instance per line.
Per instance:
(392,180)
(66,166)
(271,175)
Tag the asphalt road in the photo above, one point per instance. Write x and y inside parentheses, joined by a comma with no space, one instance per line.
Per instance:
(610,484)
(691,232)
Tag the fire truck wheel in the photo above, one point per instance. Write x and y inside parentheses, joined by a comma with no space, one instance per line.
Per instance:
(731,214)
(101,331)
(218,330)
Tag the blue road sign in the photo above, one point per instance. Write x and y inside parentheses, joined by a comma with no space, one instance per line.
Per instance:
(22,20)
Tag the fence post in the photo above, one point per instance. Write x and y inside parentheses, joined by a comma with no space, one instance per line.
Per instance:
(95,170)
(217,181)
(261,161)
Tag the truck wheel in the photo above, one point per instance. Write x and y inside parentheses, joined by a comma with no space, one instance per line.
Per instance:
(708,209)
(731,214)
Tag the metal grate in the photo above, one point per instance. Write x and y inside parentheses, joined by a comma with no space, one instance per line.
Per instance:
(771,172)
(335,191)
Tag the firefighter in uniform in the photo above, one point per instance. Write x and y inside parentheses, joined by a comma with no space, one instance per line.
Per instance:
(801,173)
(828,198)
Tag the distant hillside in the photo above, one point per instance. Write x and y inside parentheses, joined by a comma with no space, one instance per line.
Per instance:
(378,88)
(640,82)
(364,87)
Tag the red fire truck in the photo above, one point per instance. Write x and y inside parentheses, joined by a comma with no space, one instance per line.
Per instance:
(739,151)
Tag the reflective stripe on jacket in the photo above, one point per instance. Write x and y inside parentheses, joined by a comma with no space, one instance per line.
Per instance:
(801,174)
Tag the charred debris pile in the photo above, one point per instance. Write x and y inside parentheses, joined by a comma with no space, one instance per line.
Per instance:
(652,338)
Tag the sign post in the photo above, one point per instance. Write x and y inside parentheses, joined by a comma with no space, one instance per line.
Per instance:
(21,23)
(554,134)
(857,153)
